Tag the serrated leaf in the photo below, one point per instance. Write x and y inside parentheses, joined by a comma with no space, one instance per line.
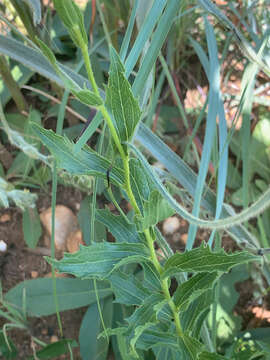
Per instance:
(153,337)
(118,226)
(31,227)
(167,353)
(194,287)
(191,319)
(189,348)
(86,162)
(193,346)
(141,184)
(151,277)
(202,259)
(144,313)
(71,294)
(100,259)
(155,210)
(120,100)
(127,289)
(205,355)
(88,97)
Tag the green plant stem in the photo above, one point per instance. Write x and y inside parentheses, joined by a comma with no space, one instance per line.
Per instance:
(153,255)
(164,283)
(165,288)
(128,185)
(89,70)
(125,159)
(103,110)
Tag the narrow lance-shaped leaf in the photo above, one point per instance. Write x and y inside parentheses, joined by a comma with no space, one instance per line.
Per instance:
(85,95)
(35,7)
(194,287)
(86,162)
(153,337)
(131,293)
(120,101)
(37,295)
(192,318)
(31,227)
(155,210)
(88,97)
(118,226)
(145,313)
(72,18)
(100,259)
(205,355)
(141,183)
(203,259)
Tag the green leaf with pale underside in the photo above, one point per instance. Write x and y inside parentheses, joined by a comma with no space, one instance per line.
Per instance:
(132,293)
(192,288)
(100,259)
(72,18)
(202,259)
(118,226)
(88,97)
(155,210)
(86,162)
(120,101)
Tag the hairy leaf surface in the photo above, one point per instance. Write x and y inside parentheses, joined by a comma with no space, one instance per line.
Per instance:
(118,226)
(205,355)
(155,210)
(194,287)
(100,259)
(191,319)
(120,100)
(203,259)
(127,289)
(86,162)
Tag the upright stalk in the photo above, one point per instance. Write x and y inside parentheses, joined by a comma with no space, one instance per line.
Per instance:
(125,160)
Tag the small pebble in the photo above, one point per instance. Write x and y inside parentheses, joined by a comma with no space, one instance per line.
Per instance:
(34,274)
(74,241)
(171,225)
(3,246)
(184,238)
(65,223)
(4,218)
(54,339)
